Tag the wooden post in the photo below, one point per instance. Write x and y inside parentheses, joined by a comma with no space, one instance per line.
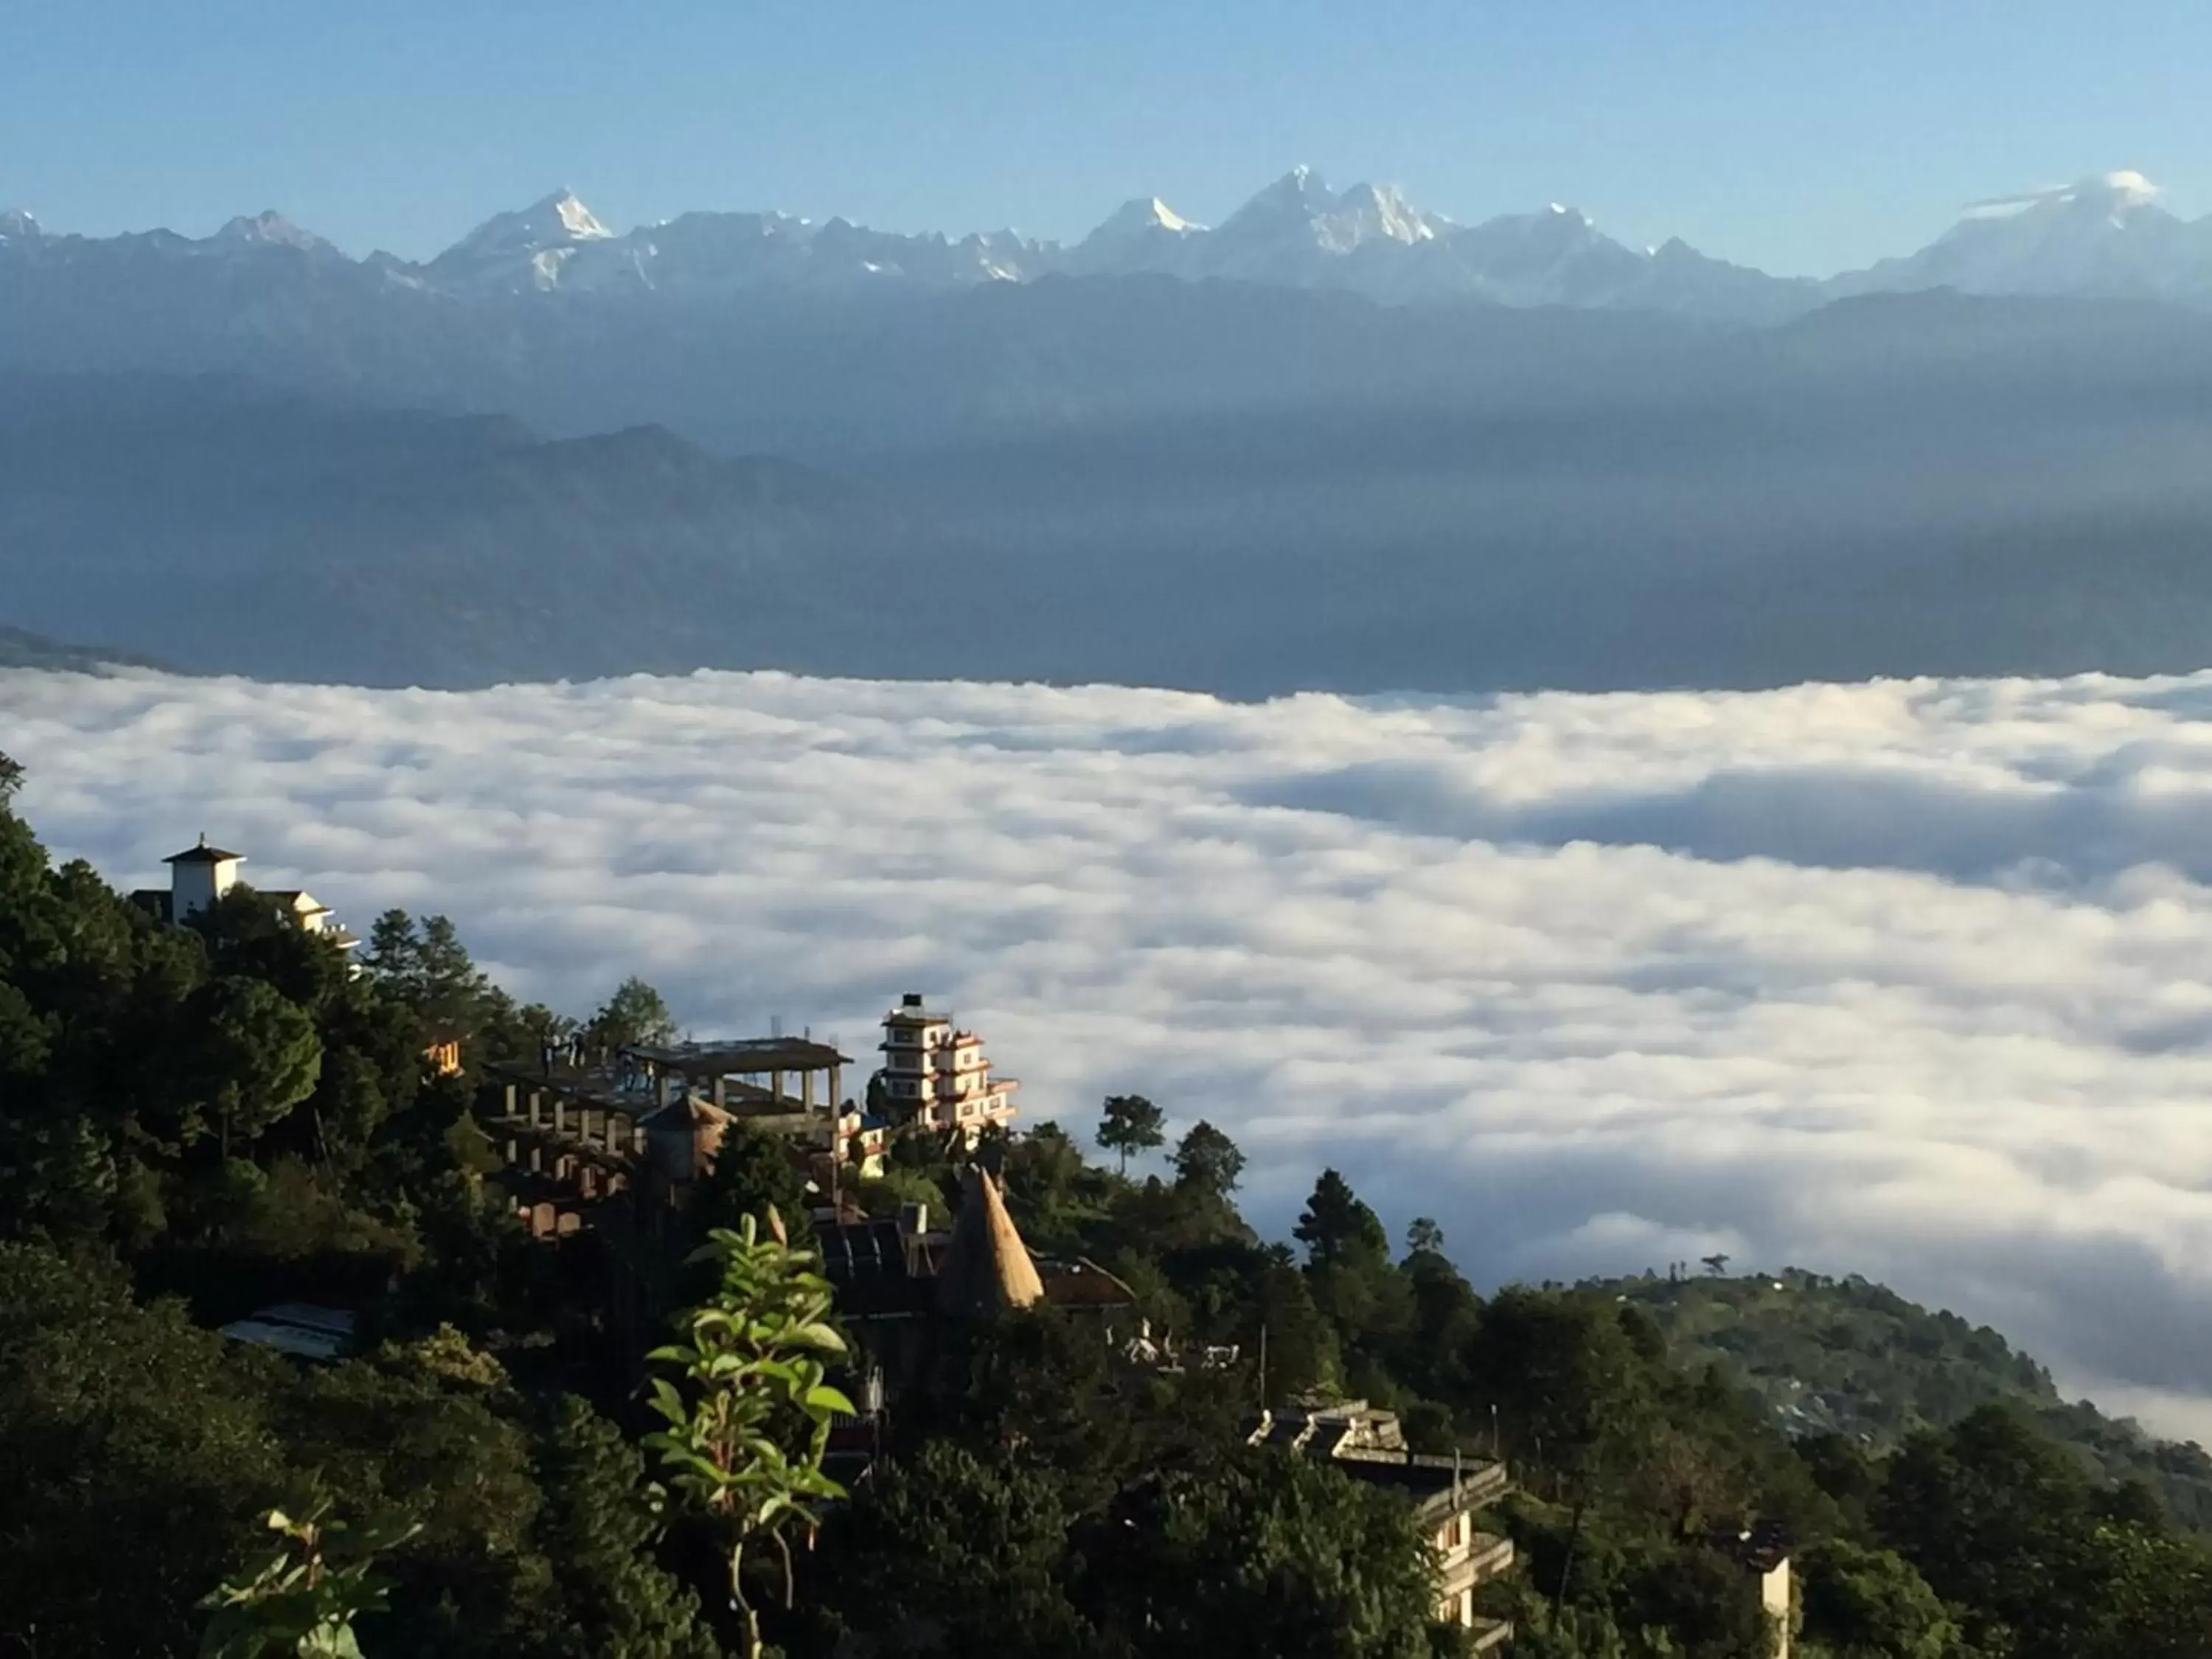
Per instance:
(536,1108)
(559,1114)
(510,1100)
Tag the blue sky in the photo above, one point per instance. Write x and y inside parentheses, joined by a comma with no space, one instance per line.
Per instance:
(1798,136)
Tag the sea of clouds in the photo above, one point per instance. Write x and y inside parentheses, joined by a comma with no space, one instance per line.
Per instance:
(1910,978)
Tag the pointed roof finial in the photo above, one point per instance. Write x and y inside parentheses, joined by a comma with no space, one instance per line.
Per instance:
(988,1269)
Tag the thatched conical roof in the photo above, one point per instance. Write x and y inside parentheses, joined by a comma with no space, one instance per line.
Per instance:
(987,1267)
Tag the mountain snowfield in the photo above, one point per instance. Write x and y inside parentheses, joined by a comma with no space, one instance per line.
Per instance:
(2103,237)
(1906,978)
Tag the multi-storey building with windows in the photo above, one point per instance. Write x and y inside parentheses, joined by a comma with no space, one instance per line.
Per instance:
(938,1077)
(1446,1494)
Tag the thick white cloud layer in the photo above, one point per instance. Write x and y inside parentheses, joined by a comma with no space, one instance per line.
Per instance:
(1909,979)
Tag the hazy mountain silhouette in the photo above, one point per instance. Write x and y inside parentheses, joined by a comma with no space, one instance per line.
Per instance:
(1241,488)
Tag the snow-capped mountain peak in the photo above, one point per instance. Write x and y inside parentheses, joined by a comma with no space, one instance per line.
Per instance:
(530,248)
(1152,211)
(1373,211)
(270,229)
(2103,234)
(575,218)
(1143,217)
(1143,234)
(1299,211)
(1299,193)
(555,220)
(2111,196)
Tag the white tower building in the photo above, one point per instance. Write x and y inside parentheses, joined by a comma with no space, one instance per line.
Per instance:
(199,876)
(937,1076)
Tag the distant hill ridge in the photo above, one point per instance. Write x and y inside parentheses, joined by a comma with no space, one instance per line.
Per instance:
(1848,1357)
(239,528)
(21,648)
(1237,489)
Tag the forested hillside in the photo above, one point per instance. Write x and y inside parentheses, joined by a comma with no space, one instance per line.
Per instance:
(197,1120)
(1849,1358)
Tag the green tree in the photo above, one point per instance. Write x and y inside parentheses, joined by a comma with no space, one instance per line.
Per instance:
(305,1599)
(1042,1382)
(258,1055)
(135,1460)
(635,1014)
(1862,1603)
(429,1434)
(1336,1225)
(1208,1160)
(247,936)
(750,1424)
(2003,1523)
(1056,1198)
(1289,1332)
(1424,1236)
(1993,1516)
(946,1552)
(597,1528)
(425,969)
(1130,1123)
(1272,1554)
(751,1175)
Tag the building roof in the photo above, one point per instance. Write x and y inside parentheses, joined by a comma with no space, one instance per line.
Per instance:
(1761,1546)
(204,854)
(740,1057)
(987,1267)
(869,1263)
(1369,1445)
(1082,1283)
(292,1327)
(913,1010)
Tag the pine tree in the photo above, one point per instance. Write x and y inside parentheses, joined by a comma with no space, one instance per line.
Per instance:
(1336,1226)
(1208,1161)
(597,1531)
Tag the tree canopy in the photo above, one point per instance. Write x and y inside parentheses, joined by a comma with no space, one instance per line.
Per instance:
(1208,1160)
(636,1013)
(1130,1123)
